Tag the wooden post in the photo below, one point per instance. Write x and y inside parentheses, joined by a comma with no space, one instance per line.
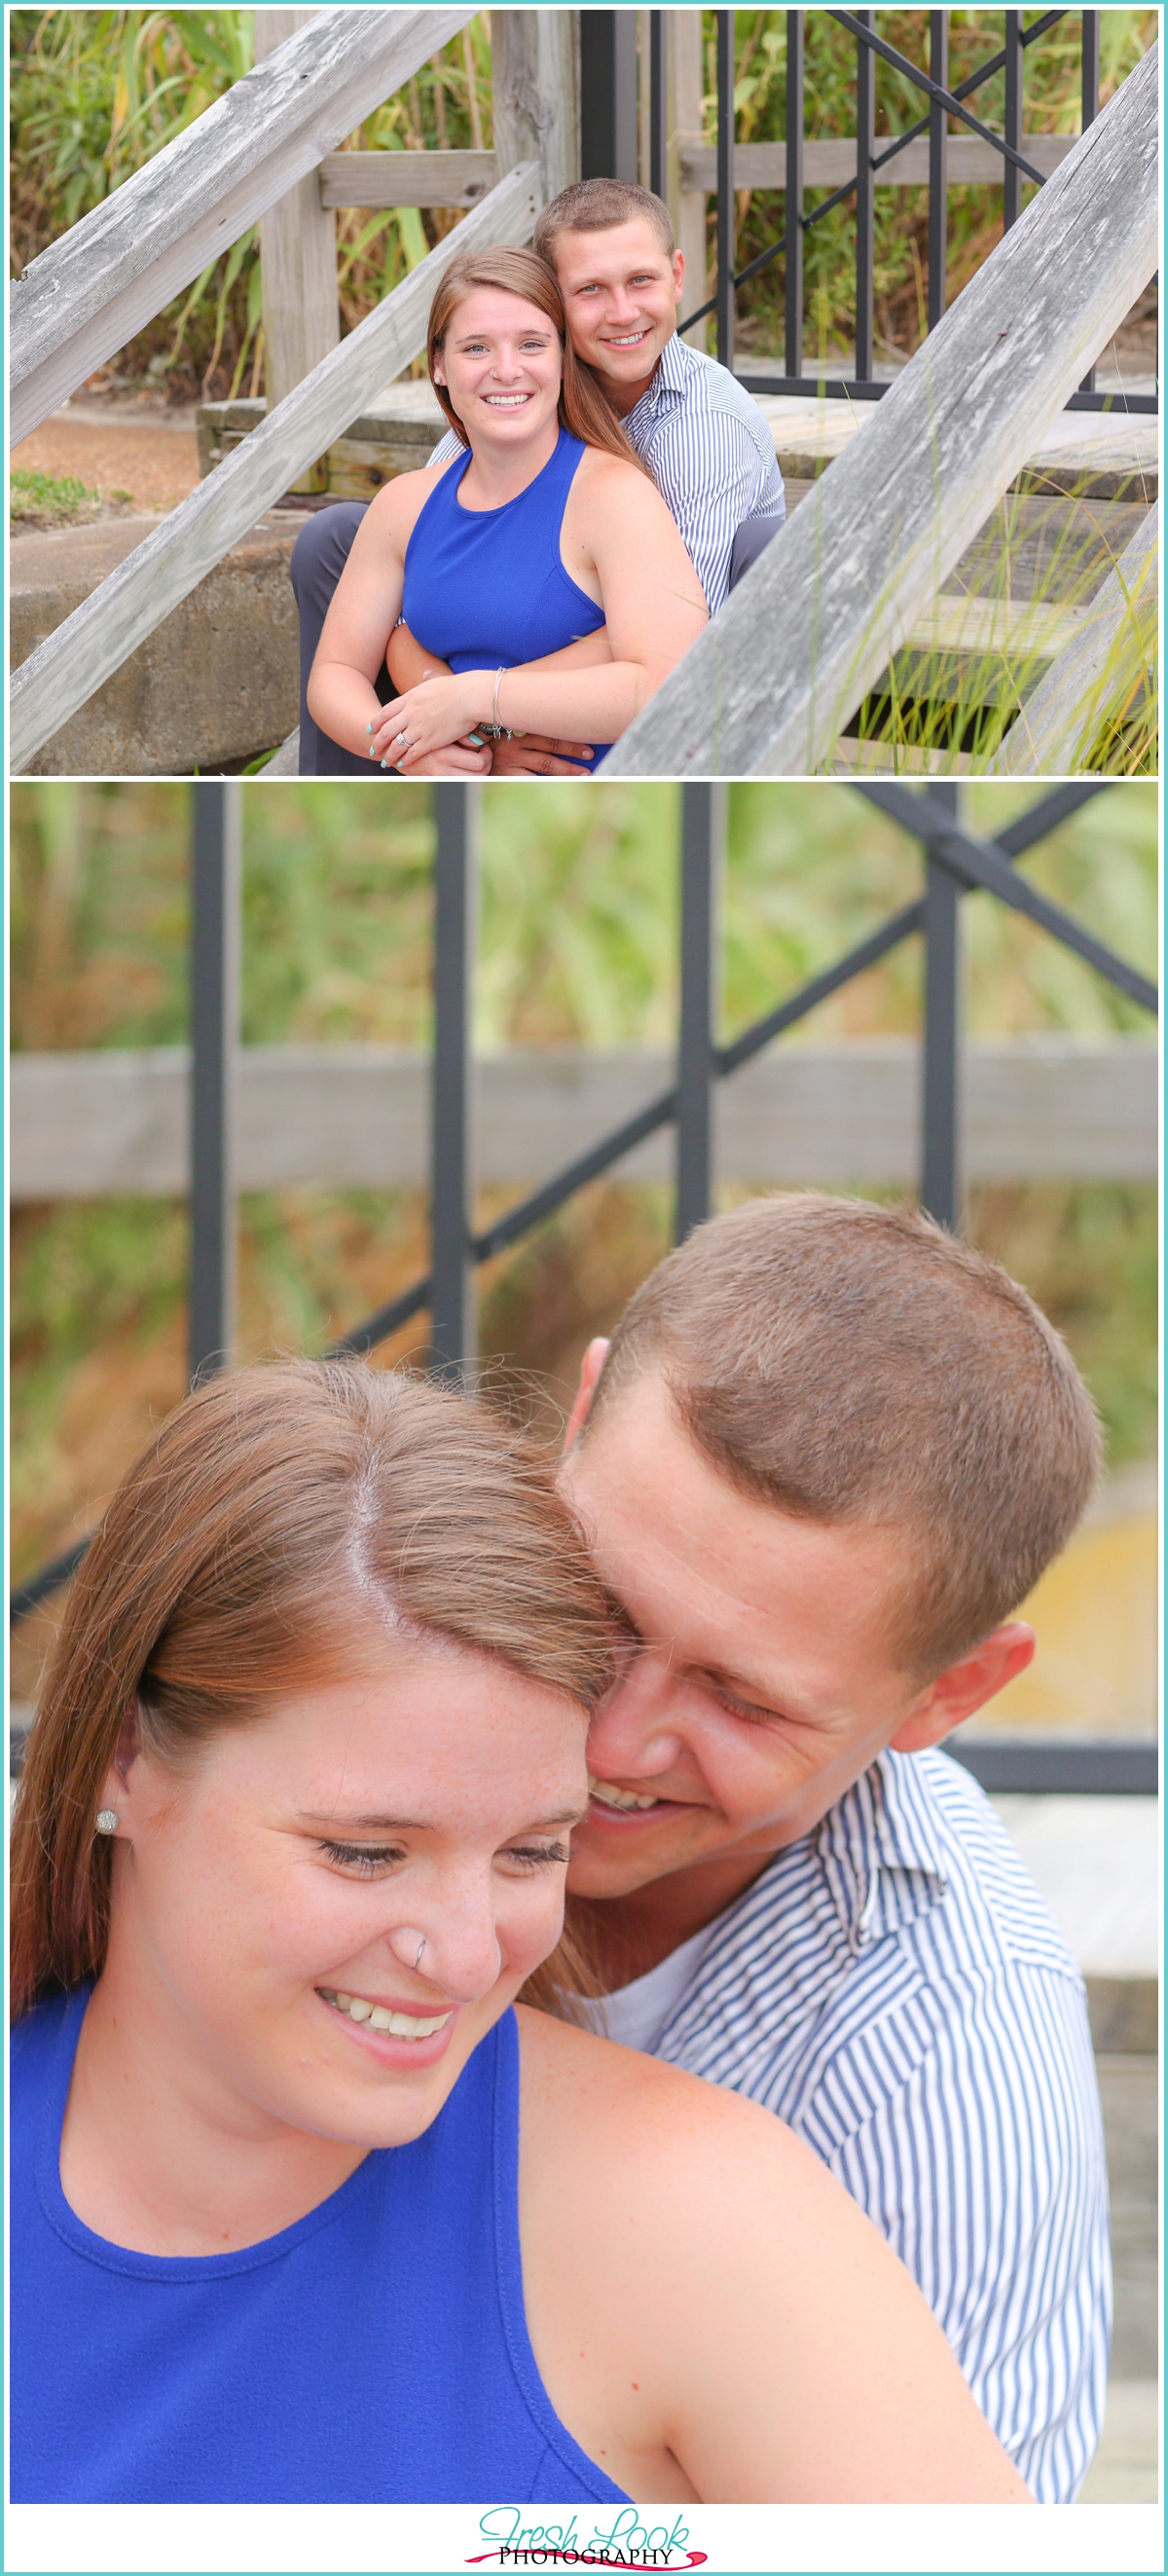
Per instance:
(535,82)
(298,259)
(687,206)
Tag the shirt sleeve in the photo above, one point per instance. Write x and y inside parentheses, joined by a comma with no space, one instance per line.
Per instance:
(708,469)
(977,2150)
(447,447)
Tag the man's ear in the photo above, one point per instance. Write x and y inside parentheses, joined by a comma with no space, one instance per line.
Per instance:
(678,274)
(590,1368)
(966,1686)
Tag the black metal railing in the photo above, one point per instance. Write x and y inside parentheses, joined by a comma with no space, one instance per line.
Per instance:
(955,861)
(872,164)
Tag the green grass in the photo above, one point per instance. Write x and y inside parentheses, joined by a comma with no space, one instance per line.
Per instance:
(56,500)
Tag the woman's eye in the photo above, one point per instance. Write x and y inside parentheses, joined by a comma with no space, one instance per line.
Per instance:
(537,1855)
(365,1858)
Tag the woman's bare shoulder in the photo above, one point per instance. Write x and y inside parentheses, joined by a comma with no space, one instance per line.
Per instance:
(579,2084)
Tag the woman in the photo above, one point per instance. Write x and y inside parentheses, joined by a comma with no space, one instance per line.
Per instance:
(542,567)
(291,1839)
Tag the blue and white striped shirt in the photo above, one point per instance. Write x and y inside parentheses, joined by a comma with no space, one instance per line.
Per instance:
(894,1987)
(710,453)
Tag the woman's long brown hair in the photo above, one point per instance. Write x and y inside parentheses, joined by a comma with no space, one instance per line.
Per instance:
(258,1544)
(583,410)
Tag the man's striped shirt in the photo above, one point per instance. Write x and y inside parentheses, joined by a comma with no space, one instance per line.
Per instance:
(710,453)
(895,1989)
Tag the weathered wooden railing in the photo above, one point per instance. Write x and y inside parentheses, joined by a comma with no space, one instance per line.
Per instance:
(88,293)
(769,687)
(98,637)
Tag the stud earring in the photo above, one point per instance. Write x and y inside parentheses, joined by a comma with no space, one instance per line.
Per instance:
(107,1820)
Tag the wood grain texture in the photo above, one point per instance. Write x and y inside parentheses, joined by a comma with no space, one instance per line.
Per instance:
(90,291)
(298,259)
(96,639)
(1104,671)
(406,178)
(97,1124)
(535,88)
(771,683)
(971,163)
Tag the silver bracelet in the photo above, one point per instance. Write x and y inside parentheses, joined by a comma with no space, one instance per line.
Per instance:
(500,733)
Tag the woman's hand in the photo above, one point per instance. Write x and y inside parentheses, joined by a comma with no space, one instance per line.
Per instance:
(427,719)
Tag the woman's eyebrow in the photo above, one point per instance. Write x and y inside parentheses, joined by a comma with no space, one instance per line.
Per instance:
(417,1825)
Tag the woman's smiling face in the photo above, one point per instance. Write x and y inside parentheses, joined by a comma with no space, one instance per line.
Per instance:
(257,1897)
(501,363)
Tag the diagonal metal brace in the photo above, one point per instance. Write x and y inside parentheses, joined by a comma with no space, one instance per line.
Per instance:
(941,97)
(981,864)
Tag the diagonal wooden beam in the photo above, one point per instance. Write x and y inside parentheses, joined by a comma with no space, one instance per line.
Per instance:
(1105,671)
(72,662)
(90,291)
(769,687)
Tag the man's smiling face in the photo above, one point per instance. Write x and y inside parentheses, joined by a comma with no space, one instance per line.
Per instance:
(758,1681)
(621,291)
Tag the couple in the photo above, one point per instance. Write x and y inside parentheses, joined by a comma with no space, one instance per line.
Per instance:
(301,2208)
(600,488)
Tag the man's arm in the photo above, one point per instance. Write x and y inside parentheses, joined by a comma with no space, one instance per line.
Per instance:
(708,469)
(984,2168)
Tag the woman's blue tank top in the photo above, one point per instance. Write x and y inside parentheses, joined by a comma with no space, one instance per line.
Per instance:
(375,2353)
(486,589)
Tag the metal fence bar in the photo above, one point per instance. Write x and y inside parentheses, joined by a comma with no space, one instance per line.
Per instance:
(1054,1769)
(793,204)
(703,810)
(938,167)
(726,209)
(1090,110)
(215,901)
(865,199)
(608,94)
(941,1033)
(1012,120)
(943,102)
(926,816)
(658,102)
(452,1297)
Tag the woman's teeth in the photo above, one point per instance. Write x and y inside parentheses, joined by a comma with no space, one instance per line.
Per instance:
(402,2025)
(506,402)
(612,1797)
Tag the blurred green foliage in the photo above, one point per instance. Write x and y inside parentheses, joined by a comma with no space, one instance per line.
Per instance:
(577,946)
(94,93)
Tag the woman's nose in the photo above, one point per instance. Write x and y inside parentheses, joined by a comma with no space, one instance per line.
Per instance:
(452,1943)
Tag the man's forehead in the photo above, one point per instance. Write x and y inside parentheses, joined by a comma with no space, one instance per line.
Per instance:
(635,245)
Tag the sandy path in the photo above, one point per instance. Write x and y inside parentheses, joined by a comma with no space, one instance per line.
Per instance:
(156,465)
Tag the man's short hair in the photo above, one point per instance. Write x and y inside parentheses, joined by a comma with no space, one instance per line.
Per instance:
(855,1363)
(595,206)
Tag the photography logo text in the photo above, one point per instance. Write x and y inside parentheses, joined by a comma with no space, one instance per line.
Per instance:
(626,2542)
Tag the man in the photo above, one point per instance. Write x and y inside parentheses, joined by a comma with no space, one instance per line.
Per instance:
(827,1453)
(703,439)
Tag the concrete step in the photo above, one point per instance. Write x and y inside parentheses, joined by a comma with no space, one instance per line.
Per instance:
(217,682)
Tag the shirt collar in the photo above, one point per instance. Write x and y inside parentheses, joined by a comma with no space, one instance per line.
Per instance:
(668,383)
(880,1853)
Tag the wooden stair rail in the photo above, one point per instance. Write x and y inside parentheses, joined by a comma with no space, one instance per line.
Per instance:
(90,291)
(771,684)
(1104,672)
(72,662)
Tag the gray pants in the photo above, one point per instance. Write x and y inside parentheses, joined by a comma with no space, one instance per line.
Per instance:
(319,557)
